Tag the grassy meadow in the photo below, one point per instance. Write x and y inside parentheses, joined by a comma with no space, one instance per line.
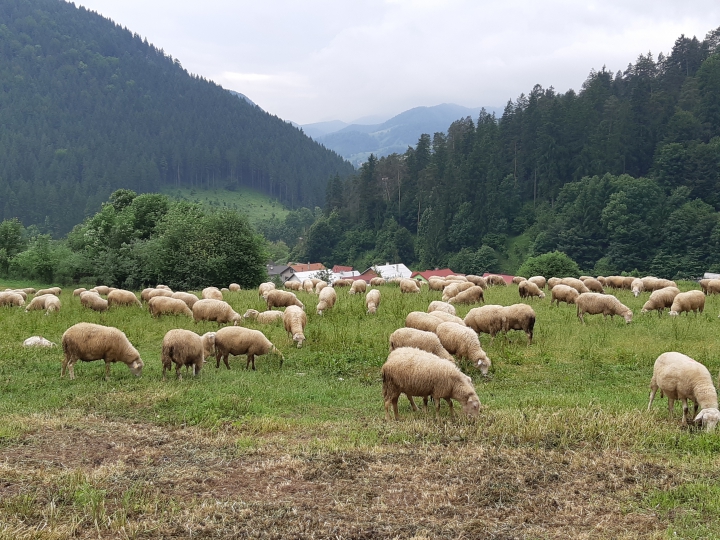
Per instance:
(563,447)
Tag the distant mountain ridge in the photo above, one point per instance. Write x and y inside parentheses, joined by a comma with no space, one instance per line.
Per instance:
(355,142)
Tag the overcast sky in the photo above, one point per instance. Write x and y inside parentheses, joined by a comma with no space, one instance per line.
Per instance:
(317,60)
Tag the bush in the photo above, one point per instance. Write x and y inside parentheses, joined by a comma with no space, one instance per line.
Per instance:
(548,265)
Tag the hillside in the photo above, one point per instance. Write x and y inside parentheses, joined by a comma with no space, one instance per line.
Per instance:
(89,107)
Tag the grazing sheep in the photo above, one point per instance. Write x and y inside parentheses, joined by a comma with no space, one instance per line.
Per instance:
(211,293)
(153,293)
(583,278)
(450,291)
(121,297)
(358,286)
(52,290)
(518,279)
(292,285)
(660,299)
(92,300)
(688,301)
(52,304)
(712,287)
(519,317)
(295,321)
(488,319)
(326,300)
(703,284)
(264,317)
(576,284)
(162,305)
(315,281)
(422,321)
(277,298)
(477,280)
(264,287)
(540,281)
(77,292)
(20,292)
(563,293)
(662,283)
(308,285)
(473,295)
(601,279)
(614,282)
(88,342)
(495,280)
(679,377)
(605,304)
(160,286)
(463,342)
(186,297)
(186,348)
(528,289)
(234,287)
(377,281)
(437,305)
(342,283)
(552,282)
(446,317)
(627,282)
(426,341)
(637,287)
(28,290)
(214,310)
(11,299)
(436,284)
(409,286)
(48,302)
(319,286)
(372,301)
(237,340)
(102,290)
(456,278)
(593,285)
(38,341)
(144,293)
(418,373)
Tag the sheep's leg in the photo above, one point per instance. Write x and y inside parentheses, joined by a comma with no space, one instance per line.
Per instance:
(671,404)
(250,360)
(107,370)
(226,360)
(71,369)
(412,402)
(64,366)
(653,389)
(425,403)
(450,404)
(395,407)
(218,355)
(437,407)
(178,375)
(685,412)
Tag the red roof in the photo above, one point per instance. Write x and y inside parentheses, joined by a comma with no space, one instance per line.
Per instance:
(308,267)
(337,268)
(427,274)
(367,275)
(508,279)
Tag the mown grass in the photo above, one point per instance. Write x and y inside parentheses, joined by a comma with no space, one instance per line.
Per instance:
(577,389)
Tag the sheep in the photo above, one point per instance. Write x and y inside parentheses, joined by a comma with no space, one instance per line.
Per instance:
(11,299)
(52,290)
(186,297)
(552,282)
(713,287)
(210,293)
(627,282)
(409,286)
(77,292)
(165,287)
(688,301)
(295,321)
(495,280)
(264,287)
(527,289)
(358,286)
(377,281)
(372,301)
(477,280)
(446,317)
(660,299)
(292,285)
(456,278)
(488,319)
(593,285)
(38,341)
(518,279)
(52,304)
(234,287)
(662,283)
(679,377)
(49,302)
(219,311)
(121,297)
(418,373)
(88,342)
(307,286)
(342,283)
(563,293)
(422,321)
(320,286)
(436,284)
(237,340)
(596,303)
(637,287)
(185,348)
(576,284)
(540,281)
(519,317)
(601,279)
(162,305)
(436,305)
(614,282)
(426,341)
(94,301)
(102,290)
(277,298)
(473,295)
(450,291)
(315,281)
(264,317)
(28,290)
(463,342)
(583,278)
(20,292)
(326,300)
(156,292)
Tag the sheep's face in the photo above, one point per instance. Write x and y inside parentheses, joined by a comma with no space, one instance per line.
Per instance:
(472,407)
(136,367)
(372,309)
(674,314)
(643,310)
(208,341)
(628,316)
(484,365)
(299,338)
(709,419)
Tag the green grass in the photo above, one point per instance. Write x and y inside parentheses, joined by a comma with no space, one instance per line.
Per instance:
(255,205)
(577,388)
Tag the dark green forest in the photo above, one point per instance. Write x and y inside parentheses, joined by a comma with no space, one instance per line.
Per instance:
(622,175)
(88,107)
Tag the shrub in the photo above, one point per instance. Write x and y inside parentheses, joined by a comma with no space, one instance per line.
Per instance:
(551,264)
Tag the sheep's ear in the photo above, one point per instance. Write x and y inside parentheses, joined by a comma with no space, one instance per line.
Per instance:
(699,417)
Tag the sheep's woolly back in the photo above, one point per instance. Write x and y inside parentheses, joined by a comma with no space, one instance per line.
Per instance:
(295,321)
(307,285)
(637,286)
(409,286)
(156,292)
(422,321)
(103,290)
(519,317)
(39,302)
(605,304)
(211,293)
(687,302)
(236,340)
(477,280)
(593,285)
(88,342)
(264,287)
(342,283)
(518,279)
(426,341)
(234,287)
(446,317)
(186,348)
(661,299)
(358,286)
(9,298)
(463,342)
(540,281)
(576,284)
(563,293)
(528,289)
(552,282)
(437,305)
(277,298)
(266,317)
(214,310)
(319,286)
(92,300)
(121,297)
(377,281)
(77,292)
(488,319)
(162,305)
(326,299)
(186,297)
(372,300)
(471,295)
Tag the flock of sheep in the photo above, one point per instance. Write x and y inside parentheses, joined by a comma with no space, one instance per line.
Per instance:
(422,355)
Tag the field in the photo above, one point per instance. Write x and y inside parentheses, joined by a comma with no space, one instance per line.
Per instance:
(563,447)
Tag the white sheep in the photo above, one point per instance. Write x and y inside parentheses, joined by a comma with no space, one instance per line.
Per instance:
(79,290)
(264,317)
(593,285)
(186,297)
(471,295)
(186,348)
(102,290)
(236,340)
(540,281)
(211,293)
(264,287)
(688,301)
(486,319)
(234,287)
(219,311)
(427,341)
(320,285)
(12,299)
(446,317)
(52,290)
(637,287)
(342,283)
(606,304)
(326,300)
(88,342)
(292,285)
(563,293)
(38,341)
(528,289)
(437,284)
(552,282)
(372,301)
(92,300)
(576,284)
(437,305)
(519,317)
(162,305)
(409,286)
(679,377)
(377,281)
(160,286)
(463,342)
(358,286)
(121,297)
(152,293)
(277,298)
(422,321)
(295,321)
(48,302)
(418,373)
(516,280)
(307,285)
(660,299)
(495,280)
(477,280)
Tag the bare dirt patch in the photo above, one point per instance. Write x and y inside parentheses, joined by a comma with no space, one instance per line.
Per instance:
(195,484)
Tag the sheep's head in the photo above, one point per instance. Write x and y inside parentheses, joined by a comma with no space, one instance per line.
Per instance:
(472,406)
(299,338)
(208,341)
(372,308)
(628,316)
(136,367)
(644,310)
(484,365)
(251,314)
(674,314)
(709,418)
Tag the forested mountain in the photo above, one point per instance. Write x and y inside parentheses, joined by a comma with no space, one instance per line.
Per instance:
(88,107)
(623,174)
